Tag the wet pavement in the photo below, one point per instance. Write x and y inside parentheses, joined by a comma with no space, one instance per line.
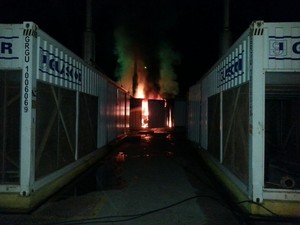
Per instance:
(155,178)
(160,189)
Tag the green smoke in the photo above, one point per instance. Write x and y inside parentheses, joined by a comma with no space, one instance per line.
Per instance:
(125,67)
(152,61)
(167,82)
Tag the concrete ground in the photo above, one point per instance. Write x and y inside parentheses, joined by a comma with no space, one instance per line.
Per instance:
(164,185)
(160,182)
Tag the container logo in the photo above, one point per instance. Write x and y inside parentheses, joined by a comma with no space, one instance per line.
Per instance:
(296,47)
(59,68)
(7,48)
(231,70)
(278,47)
(284,47)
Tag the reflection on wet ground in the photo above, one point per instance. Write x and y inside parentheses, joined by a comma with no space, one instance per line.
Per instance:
(149,145)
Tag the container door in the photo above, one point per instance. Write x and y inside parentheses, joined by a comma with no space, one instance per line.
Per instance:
(157,113)
(282,133)
(10,87)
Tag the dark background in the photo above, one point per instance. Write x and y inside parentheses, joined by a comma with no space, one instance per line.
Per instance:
(191,27)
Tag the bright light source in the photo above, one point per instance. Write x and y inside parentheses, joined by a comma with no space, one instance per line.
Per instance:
(145,113)
(169,119)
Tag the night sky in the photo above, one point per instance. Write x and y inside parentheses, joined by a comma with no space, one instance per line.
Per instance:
(190,27)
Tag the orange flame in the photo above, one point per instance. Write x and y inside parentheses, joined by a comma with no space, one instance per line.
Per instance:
(169,119)
(143,91)
(145,113)
(139,93)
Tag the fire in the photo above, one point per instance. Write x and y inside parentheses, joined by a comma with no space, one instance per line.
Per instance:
(139,93)
(144,90)
(145,110)
(169,119)
(145,113)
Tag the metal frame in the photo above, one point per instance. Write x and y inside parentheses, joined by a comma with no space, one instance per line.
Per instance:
(256,134)
(27,148)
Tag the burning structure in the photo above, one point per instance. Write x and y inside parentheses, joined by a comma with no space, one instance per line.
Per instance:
(146,71)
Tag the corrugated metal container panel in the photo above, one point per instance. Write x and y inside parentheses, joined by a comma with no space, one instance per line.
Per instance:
(194,113)
(230,70)
(157,113)
(121,112)
(204,113)
(111,112)
(128,111)
(135,113)
(233,67)
(102,122)
(282,48)
(10,46)
(116,111)
(61,67)
(180,113)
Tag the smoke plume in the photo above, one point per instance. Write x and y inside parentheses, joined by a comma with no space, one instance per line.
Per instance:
(167,82)
(150,68)
(124,52)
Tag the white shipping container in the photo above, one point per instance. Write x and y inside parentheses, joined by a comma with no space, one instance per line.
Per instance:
(248,109)
(58,113)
